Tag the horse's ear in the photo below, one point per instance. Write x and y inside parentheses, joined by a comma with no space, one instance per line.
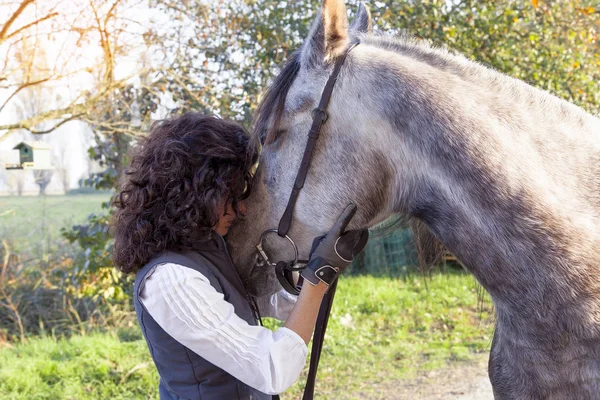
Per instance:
(362,21)
(328,36)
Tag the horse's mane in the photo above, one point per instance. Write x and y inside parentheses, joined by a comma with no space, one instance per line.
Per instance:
(268,114)
(421,50)
(272,105)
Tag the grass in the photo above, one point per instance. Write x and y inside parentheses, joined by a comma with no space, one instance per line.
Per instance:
(100,366)
(385,329)
(381,330)
(32,224)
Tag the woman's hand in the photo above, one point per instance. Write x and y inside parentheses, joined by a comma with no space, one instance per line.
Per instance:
(332,253)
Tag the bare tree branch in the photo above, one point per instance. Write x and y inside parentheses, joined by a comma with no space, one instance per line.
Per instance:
(21,29)
(85,108)
(26,125)
(23,86)
(105,42)
(115,128)
(13,18)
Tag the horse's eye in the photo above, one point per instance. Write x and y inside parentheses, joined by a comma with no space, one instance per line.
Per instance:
(271,136)
(279,133)
(276,136)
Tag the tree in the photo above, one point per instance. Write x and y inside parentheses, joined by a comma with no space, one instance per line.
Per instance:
(550,44)
(223,53)
(42,178)
(87,37)
(16,181)
(216,56)
(62,167)
(3,178)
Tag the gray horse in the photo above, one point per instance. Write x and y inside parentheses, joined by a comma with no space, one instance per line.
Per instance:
(506,176)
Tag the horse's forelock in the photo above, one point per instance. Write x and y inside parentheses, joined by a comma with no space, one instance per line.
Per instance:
(272,105)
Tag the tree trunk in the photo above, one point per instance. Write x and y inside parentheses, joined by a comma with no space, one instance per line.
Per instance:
(122,146)
(42,179)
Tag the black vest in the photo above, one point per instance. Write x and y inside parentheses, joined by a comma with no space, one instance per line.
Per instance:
(183,373)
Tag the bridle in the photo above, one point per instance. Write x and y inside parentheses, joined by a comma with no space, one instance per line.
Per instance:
(284,270)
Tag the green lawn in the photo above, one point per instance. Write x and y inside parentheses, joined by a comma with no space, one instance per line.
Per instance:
(382,330)
(32,224)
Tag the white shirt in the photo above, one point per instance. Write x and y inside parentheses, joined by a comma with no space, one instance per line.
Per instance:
(193,312)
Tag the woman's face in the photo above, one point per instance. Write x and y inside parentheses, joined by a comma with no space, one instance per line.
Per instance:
(226,217)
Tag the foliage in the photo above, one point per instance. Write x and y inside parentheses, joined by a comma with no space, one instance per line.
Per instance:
(95,274)
(45,297)
(227,51)
(45,284)
(381,330)
(93,271)
(217,56)
(553,46)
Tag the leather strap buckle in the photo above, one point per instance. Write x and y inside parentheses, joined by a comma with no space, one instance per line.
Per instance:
(322,112)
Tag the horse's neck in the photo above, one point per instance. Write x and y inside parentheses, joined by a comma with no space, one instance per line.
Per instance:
(505,180)
(538,257)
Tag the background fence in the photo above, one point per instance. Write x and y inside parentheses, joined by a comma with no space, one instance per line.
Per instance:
(387,253)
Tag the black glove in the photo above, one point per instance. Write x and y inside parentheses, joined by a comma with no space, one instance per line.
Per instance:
(332,253)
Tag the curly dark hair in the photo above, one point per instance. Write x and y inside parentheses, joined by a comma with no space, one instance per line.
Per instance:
(180,175)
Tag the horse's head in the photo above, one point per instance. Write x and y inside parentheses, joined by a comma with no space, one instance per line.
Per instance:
(347,164)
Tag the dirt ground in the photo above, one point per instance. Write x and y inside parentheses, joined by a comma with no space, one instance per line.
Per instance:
(462,381)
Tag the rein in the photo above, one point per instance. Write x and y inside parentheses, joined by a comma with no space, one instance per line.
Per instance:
(284,270)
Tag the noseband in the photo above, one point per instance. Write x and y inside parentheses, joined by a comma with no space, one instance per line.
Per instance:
(284,270)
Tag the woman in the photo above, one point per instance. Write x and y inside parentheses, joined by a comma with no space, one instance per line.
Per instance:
(184,189)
